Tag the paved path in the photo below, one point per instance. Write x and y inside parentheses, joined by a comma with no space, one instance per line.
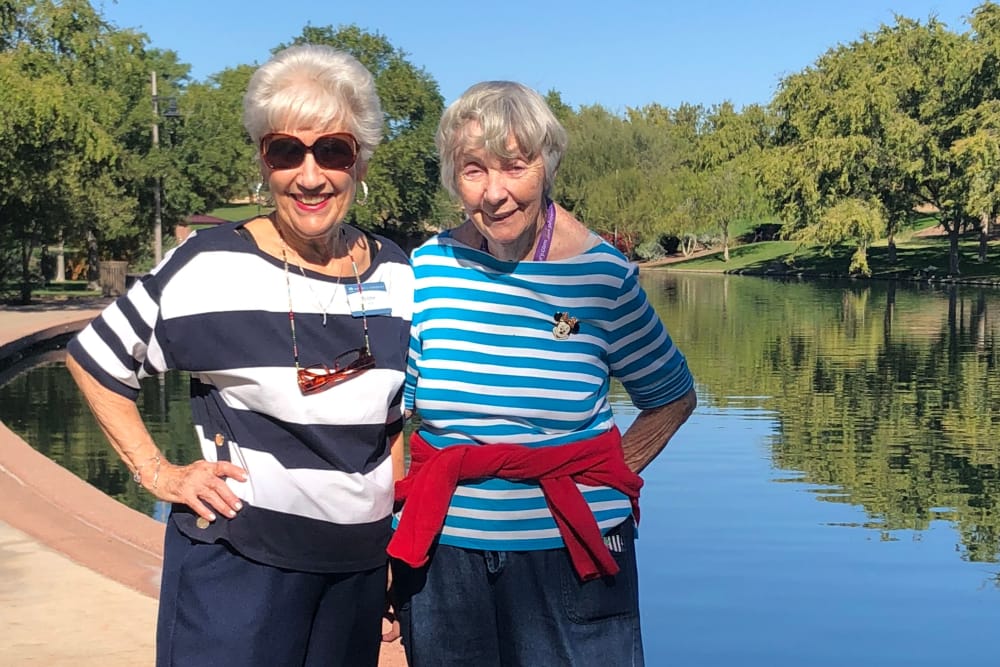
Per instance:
(79,572)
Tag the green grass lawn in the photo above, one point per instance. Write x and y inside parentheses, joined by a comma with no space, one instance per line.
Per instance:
(70,289)
(238,211)
(916,258)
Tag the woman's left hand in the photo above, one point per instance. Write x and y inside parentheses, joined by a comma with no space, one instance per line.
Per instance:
(201,486)
(389,618)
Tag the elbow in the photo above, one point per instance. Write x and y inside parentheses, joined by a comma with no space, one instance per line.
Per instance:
(690,401)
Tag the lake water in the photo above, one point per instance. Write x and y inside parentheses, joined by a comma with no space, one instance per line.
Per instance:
(835,499)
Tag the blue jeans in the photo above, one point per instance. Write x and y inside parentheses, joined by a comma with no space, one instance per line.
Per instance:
(519,608)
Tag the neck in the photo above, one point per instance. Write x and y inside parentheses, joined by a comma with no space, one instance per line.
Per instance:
(515,251)
(320,251)
(528,245)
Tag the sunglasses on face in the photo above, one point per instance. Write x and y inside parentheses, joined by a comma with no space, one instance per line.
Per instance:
(346,366)
(331,151)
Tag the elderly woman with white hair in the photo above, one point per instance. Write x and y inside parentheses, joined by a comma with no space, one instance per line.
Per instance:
(515,543)
(293,326)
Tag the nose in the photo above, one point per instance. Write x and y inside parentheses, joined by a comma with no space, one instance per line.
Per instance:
(310,176)
(496,187)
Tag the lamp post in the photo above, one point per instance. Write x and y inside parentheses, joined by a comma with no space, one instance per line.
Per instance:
(157,216)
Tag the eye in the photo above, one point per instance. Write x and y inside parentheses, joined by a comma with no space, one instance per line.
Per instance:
(472,171)
(515,167)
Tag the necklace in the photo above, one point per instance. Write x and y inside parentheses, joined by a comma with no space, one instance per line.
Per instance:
(319,302)
(291,310)
(544,241)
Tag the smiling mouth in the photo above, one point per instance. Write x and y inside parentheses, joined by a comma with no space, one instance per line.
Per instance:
(312,200)
(499,217)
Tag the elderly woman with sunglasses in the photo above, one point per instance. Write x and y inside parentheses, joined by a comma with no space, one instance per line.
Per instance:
(294,328)
(515,540)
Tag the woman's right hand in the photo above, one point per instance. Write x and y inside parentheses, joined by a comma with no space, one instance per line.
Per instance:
(200,485)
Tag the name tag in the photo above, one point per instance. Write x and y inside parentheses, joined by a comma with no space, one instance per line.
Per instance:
(376,299)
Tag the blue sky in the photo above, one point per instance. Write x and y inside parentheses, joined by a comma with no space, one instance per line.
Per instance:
(619,54)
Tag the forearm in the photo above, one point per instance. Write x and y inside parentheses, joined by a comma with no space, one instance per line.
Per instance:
(122,424)
(653,429)
(398,456)
(200,485)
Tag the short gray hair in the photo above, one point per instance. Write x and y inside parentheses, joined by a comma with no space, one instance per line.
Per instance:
(313,86)
(501,109)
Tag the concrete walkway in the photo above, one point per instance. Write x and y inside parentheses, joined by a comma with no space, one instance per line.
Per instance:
(79,572)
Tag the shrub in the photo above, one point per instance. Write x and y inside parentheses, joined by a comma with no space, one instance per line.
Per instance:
(648,251)
(625,243)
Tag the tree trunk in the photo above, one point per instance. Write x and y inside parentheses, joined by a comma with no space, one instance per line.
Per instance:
(892,248)
(25,272)
(688,243)
(93,271)
(984,237)
(953,269)
(60,273)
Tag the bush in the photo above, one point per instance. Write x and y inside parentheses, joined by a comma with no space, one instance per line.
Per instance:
(625,244)
(648,251)
(708,241)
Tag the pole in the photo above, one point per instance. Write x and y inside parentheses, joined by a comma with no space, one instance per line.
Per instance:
(157,221)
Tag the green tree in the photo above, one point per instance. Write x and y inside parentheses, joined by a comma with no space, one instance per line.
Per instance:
(979,155)
(211,158)
(622,176)
(871,120)
(730,148)
(978,150)
(59,109)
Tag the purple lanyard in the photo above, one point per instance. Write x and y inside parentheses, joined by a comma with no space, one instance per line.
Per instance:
(542,251)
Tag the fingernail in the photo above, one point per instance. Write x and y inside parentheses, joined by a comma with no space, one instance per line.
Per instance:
(231,514)
(211,517)
(239,505)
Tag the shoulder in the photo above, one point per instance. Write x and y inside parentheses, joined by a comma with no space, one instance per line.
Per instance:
(441,243)
(389,250)
(571,237)
(223,236)
(587,252)
(223,239)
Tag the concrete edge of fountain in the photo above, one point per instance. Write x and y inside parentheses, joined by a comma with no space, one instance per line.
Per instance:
(52,505)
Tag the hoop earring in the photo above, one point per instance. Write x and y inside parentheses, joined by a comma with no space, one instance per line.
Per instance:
(364,195)
(262,194)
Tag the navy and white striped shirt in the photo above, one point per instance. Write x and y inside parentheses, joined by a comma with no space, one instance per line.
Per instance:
(485,367)
(319,490)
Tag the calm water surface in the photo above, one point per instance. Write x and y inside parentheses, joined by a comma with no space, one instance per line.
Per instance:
(835,499)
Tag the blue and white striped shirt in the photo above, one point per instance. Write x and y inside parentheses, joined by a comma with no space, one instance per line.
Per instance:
(486,367)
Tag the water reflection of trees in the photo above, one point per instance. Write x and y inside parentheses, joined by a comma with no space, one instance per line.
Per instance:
(888,393)
(45,408)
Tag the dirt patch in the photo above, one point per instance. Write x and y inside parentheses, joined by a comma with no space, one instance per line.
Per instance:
(930,232)
(678,257)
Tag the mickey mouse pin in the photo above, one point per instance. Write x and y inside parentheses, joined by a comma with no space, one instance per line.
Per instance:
(565,325)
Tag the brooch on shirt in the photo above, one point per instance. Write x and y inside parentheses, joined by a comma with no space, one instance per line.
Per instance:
(565,325)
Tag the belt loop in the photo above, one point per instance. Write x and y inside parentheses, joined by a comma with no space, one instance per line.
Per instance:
(495,561)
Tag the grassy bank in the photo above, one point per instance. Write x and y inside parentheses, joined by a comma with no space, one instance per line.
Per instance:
(233,212)
(917,258)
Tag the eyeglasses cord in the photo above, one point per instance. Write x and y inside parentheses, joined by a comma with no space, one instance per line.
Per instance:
(291,310)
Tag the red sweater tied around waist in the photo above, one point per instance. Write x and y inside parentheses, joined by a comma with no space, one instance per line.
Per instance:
(435,473)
